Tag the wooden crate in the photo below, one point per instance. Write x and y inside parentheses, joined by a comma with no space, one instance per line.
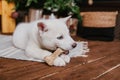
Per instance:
(99,19)
(8,24)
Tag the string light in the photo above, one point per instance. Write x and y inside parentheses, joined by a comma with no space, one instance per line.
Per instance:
(90,2)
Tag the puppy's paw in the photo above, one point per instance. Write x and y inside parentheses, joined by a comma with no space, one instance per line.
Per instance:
(59,62)
(66,58)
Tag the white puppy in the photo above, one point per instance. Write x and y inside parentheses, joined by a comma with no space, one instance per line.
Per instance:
(40,36)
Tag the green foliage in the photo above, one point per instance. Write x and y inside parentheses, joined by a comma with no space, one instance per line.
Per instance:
(60,7)
(30,1)
(66,7)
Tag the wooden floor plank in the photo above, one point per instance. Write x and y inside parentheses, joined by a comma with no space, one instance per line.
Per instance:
(113,75)
(108,73)
(11,64)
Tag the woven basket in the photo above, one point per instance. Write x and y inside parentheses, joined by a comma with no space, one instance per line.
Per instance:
(99,19)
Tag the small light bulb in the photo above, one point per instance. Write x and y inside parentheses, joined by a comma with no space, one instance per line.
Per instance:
(90,2)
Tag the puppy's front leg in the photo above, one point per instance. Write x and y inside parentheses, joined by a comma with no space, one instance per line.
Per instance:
(38,53)
(65,57)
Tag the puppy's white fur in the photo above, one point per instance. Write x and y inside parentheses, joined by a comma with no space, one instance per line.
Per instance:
(37,39)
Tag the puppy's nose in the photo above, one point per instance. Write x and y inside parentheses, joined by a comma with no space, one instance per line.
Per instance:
(74,45)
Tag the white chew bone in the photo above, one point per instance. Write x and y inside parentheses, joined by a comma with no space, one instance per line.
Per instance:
(50,59)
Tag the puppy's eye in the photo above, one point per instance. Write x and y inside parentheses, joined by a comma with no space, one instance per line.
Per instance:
(60,37)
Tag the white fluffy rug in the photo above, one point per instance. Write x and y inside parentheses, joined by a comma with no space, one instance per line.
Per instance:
(8,50)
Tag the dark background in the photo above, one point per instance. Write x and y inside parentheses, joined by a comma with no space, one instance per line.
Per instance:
(100,5)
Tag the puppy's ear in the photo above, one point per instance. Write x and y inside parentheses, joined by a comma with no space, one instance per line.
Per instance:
(42,27)
(66,20)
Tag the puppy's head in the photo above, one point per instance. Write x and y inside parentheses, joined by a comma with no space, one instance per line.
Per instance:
(54,33)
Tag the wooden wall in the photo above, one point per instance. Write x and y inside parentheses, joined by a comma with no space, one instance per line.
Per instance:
(8,23)
(0,7)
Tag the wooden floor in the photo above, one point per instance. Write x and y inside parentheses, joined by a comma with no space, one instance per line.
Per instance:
(102,63)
